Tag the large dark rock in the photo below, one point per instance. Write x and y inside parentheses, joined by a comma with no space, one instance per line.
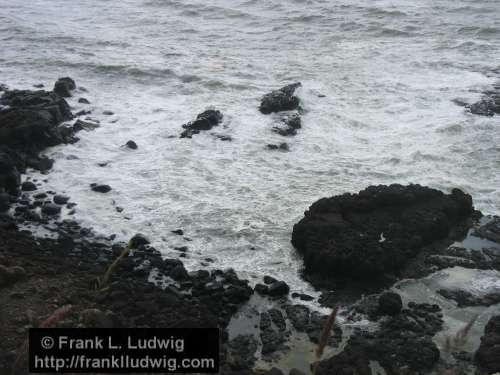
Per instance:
(30,123)
(204,121)
(374,233)
(280,100)
(488,354)
(64,86)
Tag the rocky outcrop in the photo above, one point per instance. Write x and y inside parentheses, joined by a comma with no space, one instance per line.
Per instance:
(488,355)
(204,121)
(30,121)
(280,100)
(374,233)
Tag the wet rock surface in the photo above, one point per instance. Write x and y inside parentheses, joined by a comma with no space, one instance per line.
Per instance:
(64,86)
(464,298)
(374,233)
(489,104)
(204,121)
(402,344)
(280,100)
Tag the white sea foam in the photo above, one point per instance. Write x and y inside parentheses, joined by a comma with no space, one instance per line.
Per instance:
(387,115)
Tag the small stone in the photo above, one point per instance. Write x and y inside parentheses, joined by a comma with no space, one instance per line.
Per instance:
(108,113)
(51,209)
(138,240)
(60,199)
(278,288)
(100,188)
(83,101)
(28,186)
(132,145)
(180,232)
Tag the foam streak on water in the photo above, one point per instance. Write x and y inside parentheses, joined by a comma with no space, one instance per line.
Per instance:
(389,70)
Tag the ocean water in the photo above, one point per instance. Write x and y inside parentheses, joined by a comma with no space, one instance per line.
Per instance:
(389,71)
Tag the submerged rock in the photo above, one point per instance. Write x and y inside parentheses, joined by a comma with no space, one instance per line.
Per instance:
(280,100)
(204,121)
(281,146)
(488,354)
(374,233)
(489,104)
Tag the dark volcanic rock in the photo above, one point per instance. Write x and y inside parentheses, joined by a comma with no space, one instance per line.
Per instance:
(489,104)
(261,289)
(488,354)
(204,121)
(51,209)
(280,100)
(269,280)
(100,188)
(60,199)
(138,240)
(31,122)
(278,288)
(132,145)
(281,146)
(10,178)
(490,231)
(64,86)
(84,125)
(402,345)
(389,303)
(28,186)
(289,126)
(374,233)
(464,298)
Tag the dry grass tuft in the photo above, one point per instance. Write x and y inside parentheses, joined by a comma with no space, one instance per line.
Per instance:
(457,342)
(325,335)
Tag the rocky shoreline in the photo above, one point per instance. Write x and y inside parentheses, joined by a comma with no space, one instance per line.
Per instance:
(352,245)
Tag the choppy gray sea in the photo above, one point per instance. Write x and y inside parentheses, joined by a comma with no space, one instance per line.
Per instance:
(389,71)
